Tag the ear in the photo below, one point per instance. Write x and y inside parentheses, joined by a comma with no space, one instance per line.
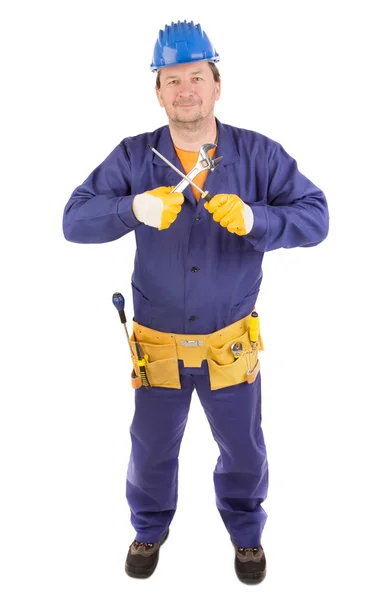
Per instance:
(159,96)
(218,90)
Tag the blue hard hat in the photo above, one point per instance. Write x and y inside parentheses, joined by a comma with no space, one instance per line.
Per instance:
(181,43)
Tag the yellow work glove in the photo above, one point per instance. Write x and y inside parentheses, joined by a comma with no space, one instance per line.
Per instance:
(158,208)
(231,212)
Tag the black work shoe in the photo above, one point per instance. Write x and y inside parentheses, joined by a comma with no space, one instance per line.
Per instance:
(143,557)
(250,564)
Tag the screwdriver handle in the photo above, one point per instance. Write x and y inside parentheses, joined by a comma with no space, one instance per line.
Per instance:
(206,196)
(119,303)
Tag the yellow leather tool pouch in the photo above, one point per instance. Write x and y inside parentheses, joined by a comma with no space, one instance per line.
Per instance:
(165,349)
(226,370)
(162,367)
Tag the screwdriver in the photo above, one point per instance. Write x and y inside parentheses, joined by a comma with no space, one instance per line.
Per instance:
(204,194)
(119,303)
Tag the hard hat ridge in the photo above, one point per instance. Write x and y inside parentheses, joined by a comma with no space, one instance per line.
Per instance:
(179,31)
(180,43)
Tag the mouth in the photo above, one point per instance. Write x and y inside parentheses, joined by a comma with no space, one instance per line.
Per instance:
(186,105)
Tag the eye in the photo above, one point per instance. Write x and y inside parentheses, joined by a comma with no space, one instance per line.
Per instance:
(198,78)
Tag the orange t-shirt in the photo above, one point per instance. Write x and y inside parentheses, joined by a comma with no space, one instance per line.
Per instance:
(188,161)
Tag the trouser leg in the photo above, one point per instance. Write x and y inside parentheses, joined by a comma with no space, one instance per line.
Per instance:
(241,472)
(156,433)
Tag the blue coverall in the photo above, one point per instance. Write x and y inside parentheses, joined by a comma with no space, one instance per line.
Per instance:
(196,277)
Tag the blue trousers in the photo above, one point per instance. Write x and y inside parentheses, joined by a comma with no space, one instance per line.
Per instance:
(241,472)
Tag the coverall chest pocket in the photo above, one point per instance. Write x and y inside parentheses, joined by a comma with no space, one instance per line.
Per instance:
(162,363)
(225,369)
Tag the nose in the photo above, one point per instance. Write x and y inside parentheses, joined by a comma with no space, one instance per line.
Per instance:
(186,88)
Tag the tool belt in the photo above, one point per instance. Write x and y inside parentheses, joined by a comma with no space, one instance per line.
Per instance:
(164,350)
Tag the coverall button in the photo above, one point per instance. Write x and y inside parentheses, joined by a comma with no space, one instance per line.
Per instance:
(194,269)
(197,218)
(192,318)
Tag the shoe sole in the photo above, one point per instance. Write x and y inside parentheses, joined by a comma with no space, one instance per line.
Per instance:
(249,579)
(140,572)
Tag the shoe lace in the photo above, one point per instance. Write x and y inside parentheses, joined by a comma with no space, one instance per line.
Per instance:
(147,545)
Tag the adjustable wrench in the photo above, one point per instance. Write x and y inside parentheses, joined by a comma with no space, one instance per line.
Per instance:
(204,162)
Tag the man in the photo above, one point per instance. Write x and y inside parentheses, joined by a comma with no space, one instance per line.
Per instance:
(197,274)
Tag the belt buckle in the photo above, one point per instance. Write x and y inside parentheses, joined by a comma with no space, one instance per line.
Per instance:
(191,343)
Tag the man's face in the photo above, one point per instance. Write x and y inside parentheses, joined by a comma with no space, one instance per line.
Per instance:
(188,92)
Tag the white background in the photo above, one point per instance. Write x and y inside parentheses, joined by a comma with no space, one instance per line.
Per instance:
(76,81)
